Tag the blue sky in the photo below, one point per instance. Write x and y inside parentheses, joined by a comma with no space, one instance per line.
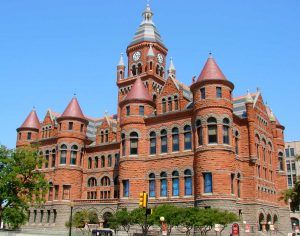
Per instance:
(51,49)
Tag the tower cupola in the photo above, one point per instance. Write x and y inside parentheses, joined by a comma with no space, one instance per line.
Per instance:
(121,69)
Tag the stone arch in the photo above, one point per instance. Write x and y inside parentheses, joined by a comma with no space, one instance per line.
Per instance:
(187,168)
(261,221)
(135,130)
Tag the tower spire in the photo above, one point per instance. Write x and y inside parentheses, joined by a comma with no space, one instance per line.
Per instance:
(121,61)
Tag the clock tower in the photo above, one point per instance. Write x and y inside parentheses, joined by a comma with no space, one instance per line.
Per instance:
(146,55)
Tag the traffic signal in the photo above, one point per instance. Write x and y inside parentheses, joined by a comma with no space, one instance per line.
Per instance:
(149,211)
(143,200)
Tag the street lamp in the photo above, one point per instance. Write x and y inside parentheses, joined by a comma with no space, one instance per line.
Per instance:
(269,223)
(294,226)
(162,219)
(71,204)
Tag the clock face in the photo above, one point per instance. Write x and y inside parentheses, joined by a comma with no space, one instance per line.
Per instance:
(160,58)
(136,56)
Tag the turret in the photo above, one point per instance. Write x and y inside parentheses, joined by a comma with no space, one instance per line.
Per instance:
(121,69)
(29,130)
(171,69)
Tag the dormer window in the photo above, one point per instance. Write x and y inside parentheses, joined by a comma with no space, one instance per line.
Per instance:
(70,126)
(202,92)
(128,111)
(219,92)
(141,110)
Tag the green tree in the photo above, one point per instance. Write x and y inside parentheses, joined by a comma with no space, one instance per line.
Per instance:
(189,218)
(292,196)
(138,217)
(121,220)
(224,218)
(21,184)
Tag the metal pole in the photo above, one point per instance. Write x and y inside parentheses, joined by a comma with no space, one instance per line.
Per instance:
(146,226)
(70,228)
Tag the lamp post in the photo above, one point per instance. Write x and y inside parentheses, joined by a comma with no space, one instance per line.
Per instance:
(269,223)
(71,216)
(294,226)
(162,219)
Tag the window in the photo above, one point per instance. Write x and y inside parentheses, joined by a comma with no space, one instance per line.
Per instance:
(212,130)
(219,92)
(175,139)
(54,215)
(133,70)
(226,131)
(176,103)
(164,141)
(188,190)
(74,150)
(287,153)
(239,185)
(109,161)
(128,111)
(187,137)
(293,166)
(29,136)
(92,182)
(81,128)
(20,135)
(90,163)
(92,195)
(290,184)
(199,132)
(66,192)
(292,152)
(152,185)
(105,181)
(236,140)
(175,183)
(157,69)
(123,145)
(53,158)
(169,104)
(50,194)
(56,188)
(202,93)
(102,161)
(152,143)
(207,182)
(47,159)
(48,216)
(125,188)
(63,154)
(70,126)
(102,136)
(106,136)
(96,162)
(280,161)
(117,160)
(34,215)
(139,68)
(163,184)
(164,105)
(232,183)
(288,166)
(151,65)
(141,110)
(134,143)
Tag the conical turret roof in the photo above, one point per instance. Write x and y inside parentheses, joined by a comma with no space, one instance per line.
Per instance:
(147,31)
(73,110)
(138,92)
(211,71)
(32,121)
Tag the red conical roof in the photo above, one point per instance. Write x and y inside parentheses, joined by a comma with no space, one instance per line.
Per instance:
(32,121)
(73,110)
(138,92)
(211,71)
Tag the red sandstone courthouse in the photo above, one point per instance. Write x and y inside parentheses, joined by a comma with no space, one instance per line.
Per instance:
(187,145)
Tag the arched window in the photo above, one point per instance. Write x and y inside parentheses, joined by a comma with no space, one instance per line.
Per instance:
(47,159)
(109,161)
(163,184)
(226,131)
(53,158)
(106,136)
(123,145)
(92,182)
(140,69)
(101,136)
(208,184)
(280,161)
(175,139)
(176,103)
(133,70)
(175,183)
(105,181)
(188,185)
(187,137)
(212,130)
(270,152)
(236,141)
(90,163)
(169,104)
(151,65)
(102,161)
(164,105)
(63,154)
(239,185)
(74,150)
(152,185)
(199,132)
(154,98)
(157,69)
(117,160)
(161,72)
(264,144)
(134,137)
(152,143)
(96,163)
(120,75)
(163,141)
(257,141)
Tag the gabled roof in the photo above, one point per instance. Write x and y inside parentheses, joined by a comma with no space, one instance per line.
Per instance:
(32,121)
(138,92)
(73,110)
(211,71)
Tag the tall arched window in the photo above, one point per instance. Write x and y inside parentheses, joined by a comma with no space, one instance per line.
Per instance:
(169,104)
(92,182)
(152,185)
(187,137)
(133,70)
(280,161)
(102,161)
(157,69)
(74,150)
(123,145)
(257,141)
(47,159)
(140,69)
(199,132)
(134,137)
(176,103)
(102,136)
(163,141)
(226,131)
(163,184)
(96,163)
(105,181)
(106,136)
(175,183)
(264,145)
(236,141)
(63,154)
(164,109)
(212,130)
(53,158)
(161,72)
(270,152)
(175,139)
(208,184)
(154,98)
(152,143)
(90,163)
(188,185)
(117,160)
(109,161)
(239,185)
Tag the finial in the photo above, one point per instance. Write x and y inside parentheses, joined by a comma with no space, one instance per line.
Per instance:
(33,108)
(210,54)
(148,2)
(258,89)
(74,94)
(249,98)
(106,113)
(121,61)
(194,79)
(171,66)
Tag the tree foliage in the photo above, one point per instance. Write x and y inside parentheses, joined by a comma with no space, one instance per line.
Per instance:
(121,220)
(292,196)
(20,183)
